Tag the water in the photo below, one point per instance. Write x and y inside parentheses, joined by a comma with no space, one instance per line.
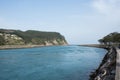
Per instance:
(49,63)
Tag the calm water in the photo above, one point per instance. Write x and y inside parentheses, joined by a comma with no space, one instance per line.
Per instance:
(49,63)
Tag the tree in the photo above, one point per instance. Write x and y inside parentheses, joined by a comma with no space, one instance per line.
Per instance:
(110,39)
(2,40)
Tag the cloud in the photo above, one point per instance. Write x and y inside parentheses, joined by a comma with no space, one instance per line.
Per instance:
(103,18)
(107,6)
(108,10)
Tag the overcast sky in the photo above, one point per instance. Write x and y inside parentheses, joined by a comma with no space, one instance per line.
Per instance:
(80,21)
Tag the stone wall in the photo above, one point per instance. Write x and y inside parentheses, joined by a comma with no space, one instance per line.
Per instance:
(106,70)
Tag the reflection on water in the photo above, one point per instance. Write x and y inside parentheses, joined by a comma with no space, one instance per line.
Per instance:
(49,63)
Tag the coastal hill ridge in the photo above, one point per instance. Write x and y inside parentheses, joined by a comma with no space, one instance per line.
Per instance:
(30,37)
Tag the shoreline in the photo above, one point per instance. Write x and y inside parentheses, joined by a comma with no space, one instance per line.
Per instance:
(19,46)
(107,68)
(3,47)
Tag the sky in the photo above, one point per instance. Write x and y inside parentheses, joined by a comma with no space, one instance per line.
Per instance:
(80,21)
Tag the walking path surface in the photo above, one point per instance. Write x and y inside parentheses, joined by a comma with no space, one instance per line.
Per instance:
(117,76)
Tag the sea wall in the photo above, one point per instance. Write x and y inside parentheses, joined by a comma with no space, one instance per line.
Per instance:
(106,70)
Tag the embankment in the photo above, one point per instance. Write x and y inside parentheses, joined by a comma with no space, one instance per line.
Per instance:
(94,45)
(107,68)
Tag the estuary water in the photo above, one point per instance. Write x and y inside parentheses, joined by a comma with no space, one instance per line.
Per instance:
(50,63)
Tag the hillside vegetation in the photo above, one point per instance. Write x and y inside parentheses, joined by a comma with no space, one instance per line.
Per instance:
(31,37)
(111,39)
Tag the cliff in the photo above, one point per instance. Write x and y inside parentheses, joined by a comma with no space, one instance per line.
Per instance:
(30,37)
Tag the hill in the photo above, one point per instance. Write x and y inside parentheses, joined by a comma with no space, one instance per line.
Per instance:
(111,39)
(30,37)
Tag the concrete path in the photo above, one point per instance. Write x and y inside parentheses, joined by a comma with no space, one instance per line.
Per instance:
(117,75)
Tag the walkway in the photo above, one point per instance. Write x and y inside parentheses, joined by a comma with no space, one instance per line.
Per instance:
(117,76)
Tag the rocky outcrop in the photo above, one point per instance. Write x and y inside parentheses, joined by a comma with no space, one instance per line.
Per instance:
(55,42)
(106,70)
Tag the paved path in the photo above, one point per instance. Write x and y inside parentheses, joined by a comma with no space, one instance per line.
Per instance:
(117,76)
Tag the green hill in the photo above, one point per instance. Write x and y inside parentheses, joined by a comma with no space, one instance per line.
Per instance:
(31,37)
(111,39)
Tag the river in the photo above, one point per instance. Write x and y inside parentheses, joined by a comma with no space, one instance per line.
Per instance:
(50,63)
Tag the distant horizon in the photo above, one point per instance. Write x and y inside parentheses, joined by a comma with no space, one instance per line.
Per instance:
(80,21)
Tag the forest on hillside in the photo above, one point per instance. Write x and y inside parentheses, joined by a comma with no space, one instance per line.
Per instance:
(110,39)
(32,36)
